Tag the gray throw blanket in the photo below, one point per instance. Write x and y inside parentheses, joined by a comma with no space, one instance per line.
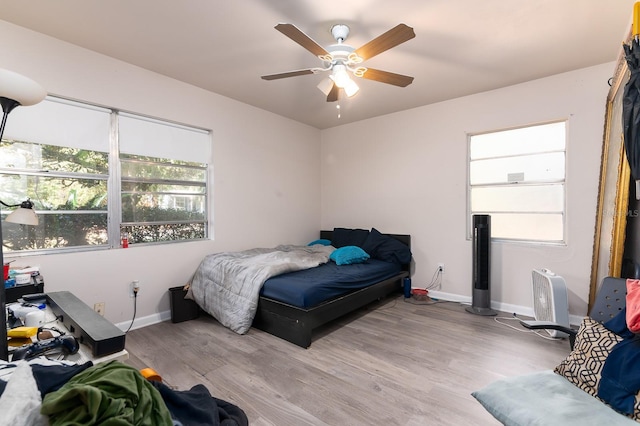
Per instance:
(227,285)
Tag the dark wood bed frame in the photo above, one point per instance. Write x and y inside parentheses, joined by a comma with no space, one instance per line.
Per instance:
(296,324)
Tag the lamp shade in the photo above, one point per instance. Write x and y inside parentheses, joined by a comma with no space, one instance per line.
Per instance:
(20,88)
(23,216)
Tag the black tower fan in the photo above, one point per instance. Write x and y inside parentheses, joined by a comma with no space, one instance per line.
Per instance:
(481,273)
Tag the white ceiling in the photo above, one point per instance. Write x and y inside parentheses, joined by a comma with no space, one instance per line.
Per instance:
(461,47)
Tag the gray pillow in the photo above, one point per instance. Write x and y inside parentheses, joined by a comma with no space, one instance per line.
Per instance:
(545,398)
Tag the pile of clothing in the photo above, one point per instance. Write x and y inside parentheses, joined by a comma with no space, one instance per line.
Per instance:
(43,392)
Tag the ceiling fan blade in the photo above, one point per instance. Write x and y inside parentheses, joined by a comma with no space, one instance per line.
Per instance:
(333,94)
(395,36)
(388,77)
(301,38)
(287,74)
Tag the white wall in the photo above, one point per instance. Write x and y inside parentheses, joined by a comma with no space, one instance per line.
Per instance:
(407,173)
(266,173)
(403,173)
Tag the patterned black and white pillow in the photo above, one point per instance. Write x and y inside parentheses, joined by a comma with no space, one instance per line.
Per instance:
(583,366)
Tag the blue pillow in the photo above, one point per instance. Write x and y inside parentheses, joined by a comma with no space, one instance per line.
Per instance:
(321,241)
(348,255)
(386,248)
(348,237)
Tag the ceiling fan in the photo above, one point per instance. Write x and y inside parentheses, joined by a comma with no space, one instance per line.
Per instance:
(341,59)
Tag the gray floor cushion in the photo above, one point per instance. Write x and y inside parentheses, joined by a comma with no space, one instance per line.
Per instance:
(545,398)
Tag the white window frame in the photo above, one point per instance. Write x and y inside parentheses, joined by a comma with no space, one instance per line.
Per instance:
(562,182)
(164,135)
(114,211)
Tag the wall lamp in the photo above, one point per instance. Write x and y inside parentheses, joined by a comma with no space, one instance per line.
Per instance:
(23,215)
(15,90)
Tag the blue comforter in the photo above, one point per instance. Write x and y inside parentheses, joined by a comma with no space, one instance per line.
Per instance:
(310,287)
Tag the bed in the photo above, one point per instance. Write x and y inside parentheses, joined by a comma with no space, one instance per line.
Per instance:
(291,304)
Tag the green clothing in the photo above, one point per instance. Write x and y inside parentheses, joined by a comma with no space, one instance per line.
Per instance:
(109,394)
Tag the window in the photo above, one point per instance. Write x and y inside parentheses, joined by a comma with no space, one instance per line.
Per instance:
(517,177)
(94,173)
(163,185)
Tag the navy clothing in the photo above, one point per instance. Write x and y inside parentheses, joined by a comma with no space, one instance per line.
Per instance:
(620,378)
(620,381)
(196,407)
(618,325)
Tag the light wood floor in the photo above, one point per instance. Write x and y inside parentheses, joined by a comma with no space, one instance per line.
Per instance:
(393,363)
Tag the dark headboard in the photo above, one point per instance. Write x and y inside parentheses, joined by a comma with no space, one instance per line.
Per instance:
(403,238)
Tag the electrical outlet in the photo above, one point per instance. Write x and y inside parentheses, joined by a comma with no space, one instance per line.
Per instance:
(99,308)
(441,267)
(134,288)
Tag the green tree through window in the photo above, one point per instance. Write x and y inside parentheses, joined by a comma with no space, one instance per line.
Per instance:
(95,173)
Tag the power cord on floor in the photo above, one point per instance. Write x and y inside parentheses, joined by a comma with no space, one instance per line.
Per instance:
(520,329)
(387,305)
(431,301)
(435,283)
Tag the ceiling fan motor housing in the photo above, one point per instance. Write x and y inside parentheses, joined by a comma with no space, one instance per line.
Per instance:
(340,32)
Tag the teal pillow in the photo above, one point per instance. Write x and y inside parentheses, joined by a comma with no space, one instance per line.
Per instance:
(348,255)
(321,241)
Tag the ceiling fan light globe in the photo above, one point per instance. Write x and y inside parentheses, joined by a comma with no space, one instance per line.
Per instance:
(340,76)
(351,88)
(325,86)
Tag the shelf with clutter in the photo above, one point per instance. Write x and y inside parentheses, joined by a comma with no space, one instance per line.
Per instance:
(21,280)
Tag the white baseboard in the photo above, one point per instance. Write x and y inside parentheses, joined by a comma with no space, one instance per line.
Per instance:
(465,300)
(145,321)
(498,306)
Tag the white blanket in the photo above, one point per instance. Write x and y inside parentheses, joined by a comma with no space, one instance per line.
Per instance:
(227,285)
(21,400)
